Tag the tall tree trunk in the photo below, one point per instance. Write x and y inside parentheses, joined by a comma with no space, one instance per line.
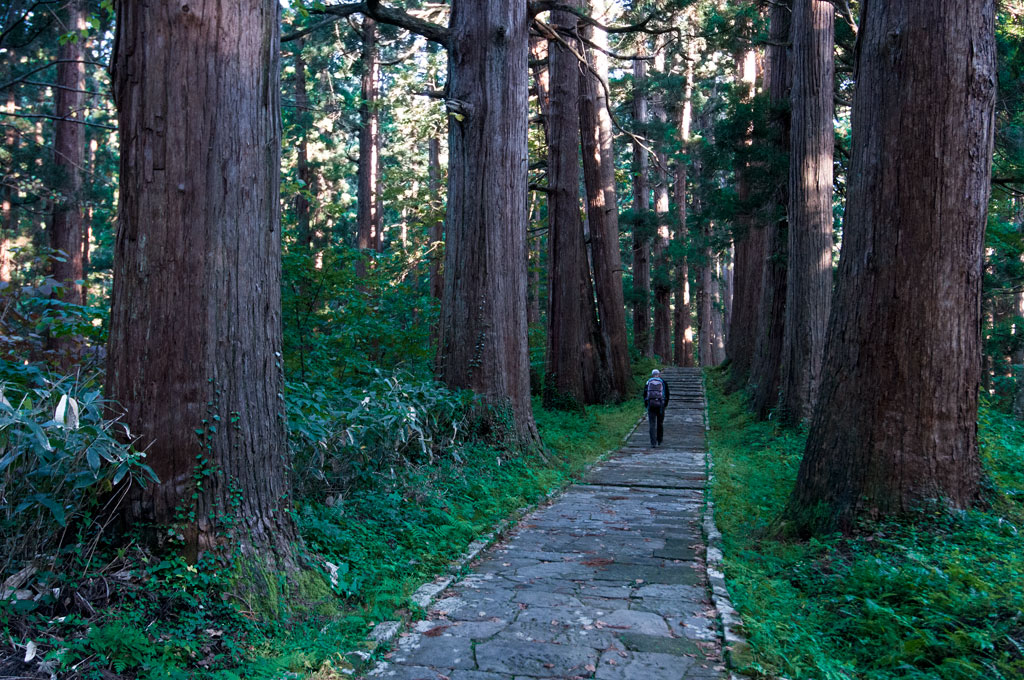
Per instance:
(368,222)
(195,326)
(436,234)
(641,209)
(812,138)
(68,158)
(302,168)
(763,384)
(720,297)
(483,318)
(749,240)
(682,331)
(661,281)
(897,429)
(534,246)
(574,368)
(602,205)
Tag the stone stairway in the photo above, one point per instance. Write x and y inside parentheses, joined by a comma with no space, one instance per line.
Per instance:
(606,582)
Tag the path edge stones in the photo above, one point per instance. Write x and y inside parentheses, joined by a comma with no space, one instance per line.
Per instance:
(426,594)
(735,648)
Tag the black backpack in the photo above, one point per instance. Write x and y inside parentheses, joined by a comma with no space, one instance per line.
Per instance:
(655,393)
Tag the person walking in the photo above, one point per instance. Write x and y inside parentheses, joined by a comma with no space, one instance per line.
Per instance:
(656,397)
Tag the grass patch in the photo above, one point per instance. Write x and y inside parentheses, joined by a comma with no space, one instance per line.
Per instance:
(933,596)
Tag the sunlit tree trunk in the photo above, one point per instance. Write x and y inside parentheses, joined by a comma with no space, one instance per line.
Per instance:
(641,210)
(368,222)
(483,318)
(68,159)
(602,206)
(812,138)
(897,429)
(194,355)
(763,384)
(719,295)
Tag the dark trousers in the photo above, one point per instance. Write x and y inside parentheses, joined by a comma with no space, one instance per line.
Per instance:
(656,419)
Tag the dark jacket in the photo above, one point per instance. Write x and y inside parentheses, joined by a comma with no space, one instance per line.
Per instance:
(666,391)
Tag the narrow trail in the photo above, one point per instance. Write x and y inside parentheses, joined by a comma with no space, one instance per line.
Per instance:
(606,582)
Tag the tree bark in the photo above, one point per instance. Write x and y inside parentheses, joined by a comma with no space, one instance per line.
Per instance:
(661,280)
(574,368)
(682,330)
(194,355)
(368,222)
(763,384)
(483,318)
(719,307)
(68,158)
(812,138)
(602,206)
(641,209)
(896,430)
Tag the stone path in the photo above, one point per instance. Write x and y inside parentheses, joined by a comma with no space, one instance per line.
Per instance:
(607,582)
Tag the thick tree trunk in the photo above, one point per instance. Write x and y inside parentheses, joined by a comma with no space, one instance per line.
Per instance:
(194,355)
(68,159)
(303,209)
(368,222)
(897,429)
(574,368)
(534,245)
(763,384)
(483,318)
(641,210)
(812,138)
(602,207)
(436,234)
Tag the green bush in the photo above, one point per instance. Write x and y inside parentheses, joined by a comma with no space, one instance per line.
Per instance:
(60,458)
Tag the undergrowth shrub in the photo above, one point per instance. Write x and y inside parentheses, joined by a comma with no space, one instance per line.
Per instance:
(60,459)
(341,435)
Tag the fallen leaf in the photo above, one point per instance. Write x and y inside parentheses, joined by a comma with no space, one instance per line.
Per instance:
(436,630)
(590,667)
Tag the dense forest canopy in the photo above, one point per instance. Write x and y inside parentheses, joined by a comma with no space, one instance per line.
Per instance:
(257,256)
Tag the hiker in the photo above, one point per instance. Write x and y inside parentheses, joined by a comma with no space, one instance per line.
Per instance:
(656,399)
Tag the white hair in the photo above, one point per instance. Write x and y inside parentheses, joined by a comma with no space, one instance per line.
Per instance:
(655,372)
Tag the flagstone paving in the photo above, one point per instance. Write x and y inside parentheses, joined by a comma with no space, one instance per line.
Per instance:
(606,582)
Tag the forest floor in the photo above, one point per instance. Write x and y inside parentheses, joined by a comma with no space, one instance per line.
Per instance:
(934,595)
(607,581)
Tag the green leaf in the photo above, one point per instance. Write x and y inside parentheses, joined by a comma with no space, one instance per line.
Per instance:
(53,506)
